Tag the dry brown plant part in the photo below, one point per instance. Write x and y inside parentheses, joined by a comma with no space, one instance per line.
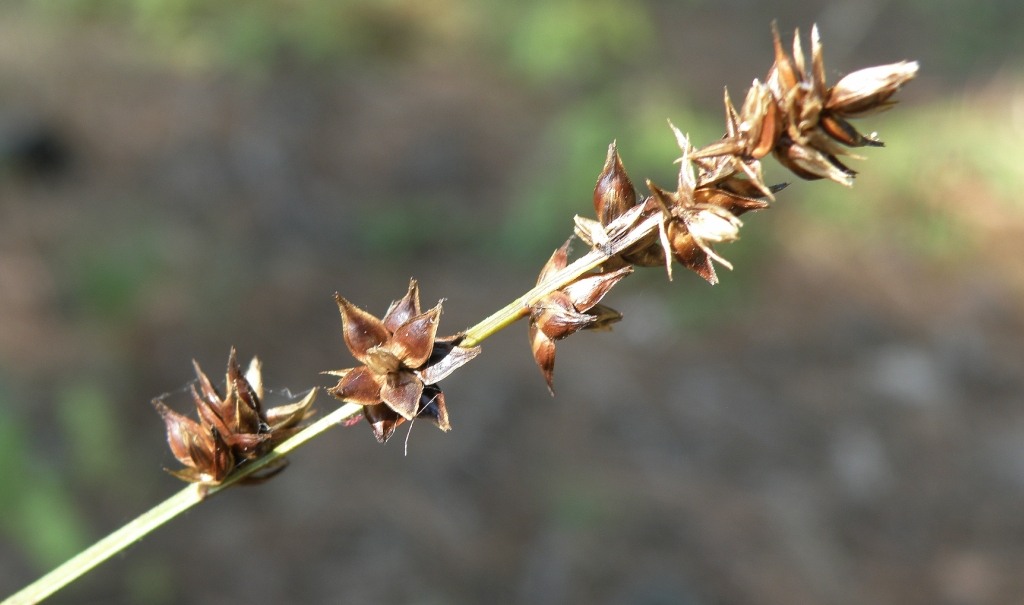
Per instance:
(570,309)
(402,359)
(233,427)
(815,127)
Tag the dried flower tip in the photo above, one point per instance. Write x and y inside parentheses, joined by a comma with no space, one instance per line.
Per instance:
(432,407)
(543,349)
(235,416)
(285,420)
(254,377)
(815,116)
(842,131)
(751,133)
(868,90)
(613,193)
(783,76)
(737,195)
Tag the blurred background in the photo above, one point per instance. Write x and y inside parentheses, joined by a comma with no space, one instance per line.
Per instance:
(840,421)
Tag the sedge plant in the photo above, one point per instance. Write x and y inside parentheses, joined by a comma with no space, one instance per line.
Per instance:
(793,115)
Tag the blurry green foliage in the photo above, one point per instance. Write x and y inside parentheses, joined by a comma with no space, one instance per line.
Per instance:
(561,181)
(395,229)
(580,38)
(904,194)
(970,35)
(151,580)
(35,510)
(89,423)
(543,39)
(579,503)
(109,279)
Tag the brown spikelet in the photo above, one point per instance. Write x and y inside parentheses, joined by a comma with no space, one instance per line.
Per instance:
(232,427)
(402,358)
(566,311)
(815,116)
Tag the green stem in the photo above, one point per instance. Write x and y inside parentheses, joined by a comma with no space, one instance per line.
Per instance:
(107,547)
(142,525)
(145,523)
(520,307)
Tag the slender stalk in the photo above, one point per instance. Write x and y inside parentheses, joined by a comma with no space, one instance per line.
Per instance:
(114,543)
(520,307)
(188,497)
(148,521)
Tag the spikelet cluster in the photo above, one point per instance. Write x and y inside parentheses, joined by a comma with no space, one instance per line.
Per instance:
(232,428)
(793,115)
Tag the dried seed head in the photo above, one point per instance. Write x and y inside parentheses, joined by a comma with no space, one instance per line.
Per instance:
(619,213)
(232,428)
(402,360)
(815,116)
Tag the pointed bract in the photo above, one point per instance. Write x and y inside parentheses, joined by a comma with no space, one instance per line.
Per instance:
(360,386)
(543,349)
(401,391)
(361,330)
(404,309)
(382,420)
(445,359)
(432,407)
(413,341)
(614,193)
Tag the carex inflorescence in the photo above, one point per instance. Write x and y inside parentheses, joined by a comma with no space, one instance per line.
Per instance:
(793,115)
